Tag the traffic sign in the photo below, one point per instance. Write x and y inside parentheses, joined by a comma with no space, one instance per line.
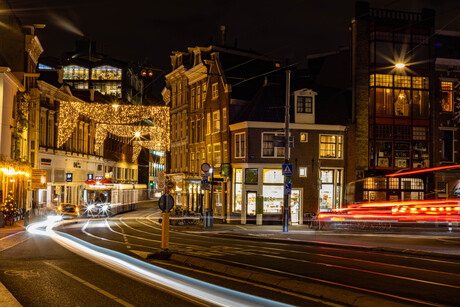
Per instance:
(205,179)
(287,169)
(287,188)
(206,186)
(205,167)
(166,203)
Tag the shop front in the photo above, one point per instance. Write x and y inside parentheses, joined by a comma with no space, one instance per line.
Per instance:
(254,182)
(330,190)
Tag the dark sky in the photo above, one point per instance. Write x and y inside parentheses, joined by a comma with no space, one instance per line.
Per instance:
(138,29)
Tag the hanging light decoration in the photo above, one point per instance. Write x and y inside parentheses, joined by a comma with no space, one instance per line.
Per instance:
(116,119)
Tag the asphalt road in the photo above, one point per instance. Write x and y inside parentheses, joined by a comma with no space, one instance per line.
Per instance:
(41,272)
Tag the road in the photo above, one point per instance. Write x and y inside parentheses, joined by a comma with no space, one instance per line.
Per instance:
(51,275)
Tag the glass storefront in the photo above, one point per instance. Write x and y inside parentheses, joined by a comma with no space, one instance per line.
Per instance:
(238,191)
(330,194)
(273,191)
(295,206)
(251,202)
(106,73)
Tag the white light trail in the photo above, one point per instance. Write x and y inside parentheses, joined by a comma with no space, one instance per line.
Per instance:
(148,273)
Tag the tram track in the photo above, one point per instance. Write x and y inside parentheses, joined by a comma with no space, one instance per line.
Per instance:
(264,251)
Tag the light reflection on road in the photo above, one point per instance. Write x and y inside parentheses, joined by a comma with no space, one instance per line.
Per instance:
(148,273)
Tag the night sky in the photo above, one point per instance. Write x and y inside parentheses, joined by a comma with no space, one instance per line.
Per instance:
(139,29)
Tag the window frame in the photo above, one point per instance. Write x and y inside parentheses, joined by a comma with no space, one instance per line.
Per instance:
(338,150)
(215,90)
(240,150)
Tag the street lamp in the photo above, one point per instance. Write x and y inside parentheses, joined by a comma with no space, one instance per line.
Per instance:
(400,65)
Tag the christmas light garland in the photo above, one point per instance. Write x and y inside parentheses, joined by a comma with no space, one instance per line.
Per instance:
(119,120)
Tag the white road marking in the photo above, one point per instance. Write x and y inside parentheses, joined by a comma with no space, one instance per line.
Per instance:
(90,285)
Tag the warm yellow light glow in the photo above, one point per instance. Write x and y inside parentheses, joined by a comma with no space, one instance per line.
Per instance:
(137,134)
(400,65)
(115,106)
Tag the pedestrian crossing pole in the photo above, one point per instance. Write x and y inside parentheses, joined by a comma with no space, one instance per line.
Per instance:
(286,151)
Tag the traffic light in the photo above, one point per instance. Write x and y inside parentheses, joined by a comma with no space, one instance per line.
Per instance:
(151,183)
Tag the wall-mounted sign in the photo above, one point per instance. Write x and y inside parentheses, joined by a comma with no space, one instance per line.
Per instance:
(98,178)
(76,165)
(68,177)
(108,175)
(90,176)
(38,179)
(45,162)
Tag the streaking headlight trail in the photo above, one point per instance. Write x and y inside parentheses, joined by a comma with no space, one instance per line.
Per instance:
(148,273)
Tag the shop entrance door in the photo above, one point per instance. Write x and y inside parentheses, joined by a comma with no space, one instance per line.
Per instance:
(295,206)
(251,203)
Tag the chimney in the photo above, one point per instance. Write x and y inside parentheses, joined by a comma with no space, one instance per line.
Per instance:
(223,31)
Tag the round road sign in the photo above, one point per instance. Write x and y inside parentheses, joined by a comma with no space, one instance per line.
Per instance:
(205,167)
(166,203)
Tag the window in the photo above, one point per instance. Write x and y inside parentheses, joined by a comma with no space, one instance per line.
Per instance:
(224,119)
(74,72)
(216,121)
(446,101)
(192,162)
(402,104)
(198,94)
(198,130)
(209,153)
(303,137)
(240,145)
(225,156)
(192,132)
(330,146)
(208,124)
(304,104)
(215,91)
(419,133)
(238,196)
(273,191)
(106,73)
(192,99)
(217,157)
(302,172)
(447,148)
(203,96)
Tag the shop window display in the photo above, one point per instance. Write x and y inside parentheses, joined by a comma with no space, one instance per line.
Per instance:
(273,190)
(238,194)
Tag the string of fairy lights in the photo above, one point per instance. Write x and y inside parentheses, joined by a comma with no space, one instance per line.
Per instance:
(119,120)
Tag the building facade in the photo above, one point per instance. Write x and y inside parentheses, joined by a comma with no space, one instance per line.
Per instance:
(393,99)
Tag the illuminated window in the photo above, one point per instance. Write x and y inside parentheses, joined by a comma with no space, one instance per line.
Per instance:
(208,124)
(203,96)
(192,162)
(238,196)
(402,103)
(217,156)
(447,96)
(330,146)
(106,73)
(303,137)
(402,81)
(302,172)
(224,119)
(198,95)
(73,72)
(304,104)
(215,91)
(420,82)
(240,145)
(216,121)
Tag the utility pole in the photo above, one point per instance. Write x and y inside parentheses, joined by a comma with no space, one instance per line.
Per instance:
(287,179)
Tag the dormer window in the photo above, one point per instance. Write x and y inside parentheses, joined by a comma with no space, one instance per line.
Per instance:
(305,104)
(197,58)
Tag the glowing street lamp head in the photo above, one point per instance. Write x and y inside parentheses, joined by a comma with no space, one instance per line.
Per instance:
(137,134)
(400,65)
(115,106)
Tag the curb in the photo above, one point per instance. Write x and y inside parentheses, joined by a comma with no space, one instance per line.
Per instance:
(6,298)
(328,293)
(343,245)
